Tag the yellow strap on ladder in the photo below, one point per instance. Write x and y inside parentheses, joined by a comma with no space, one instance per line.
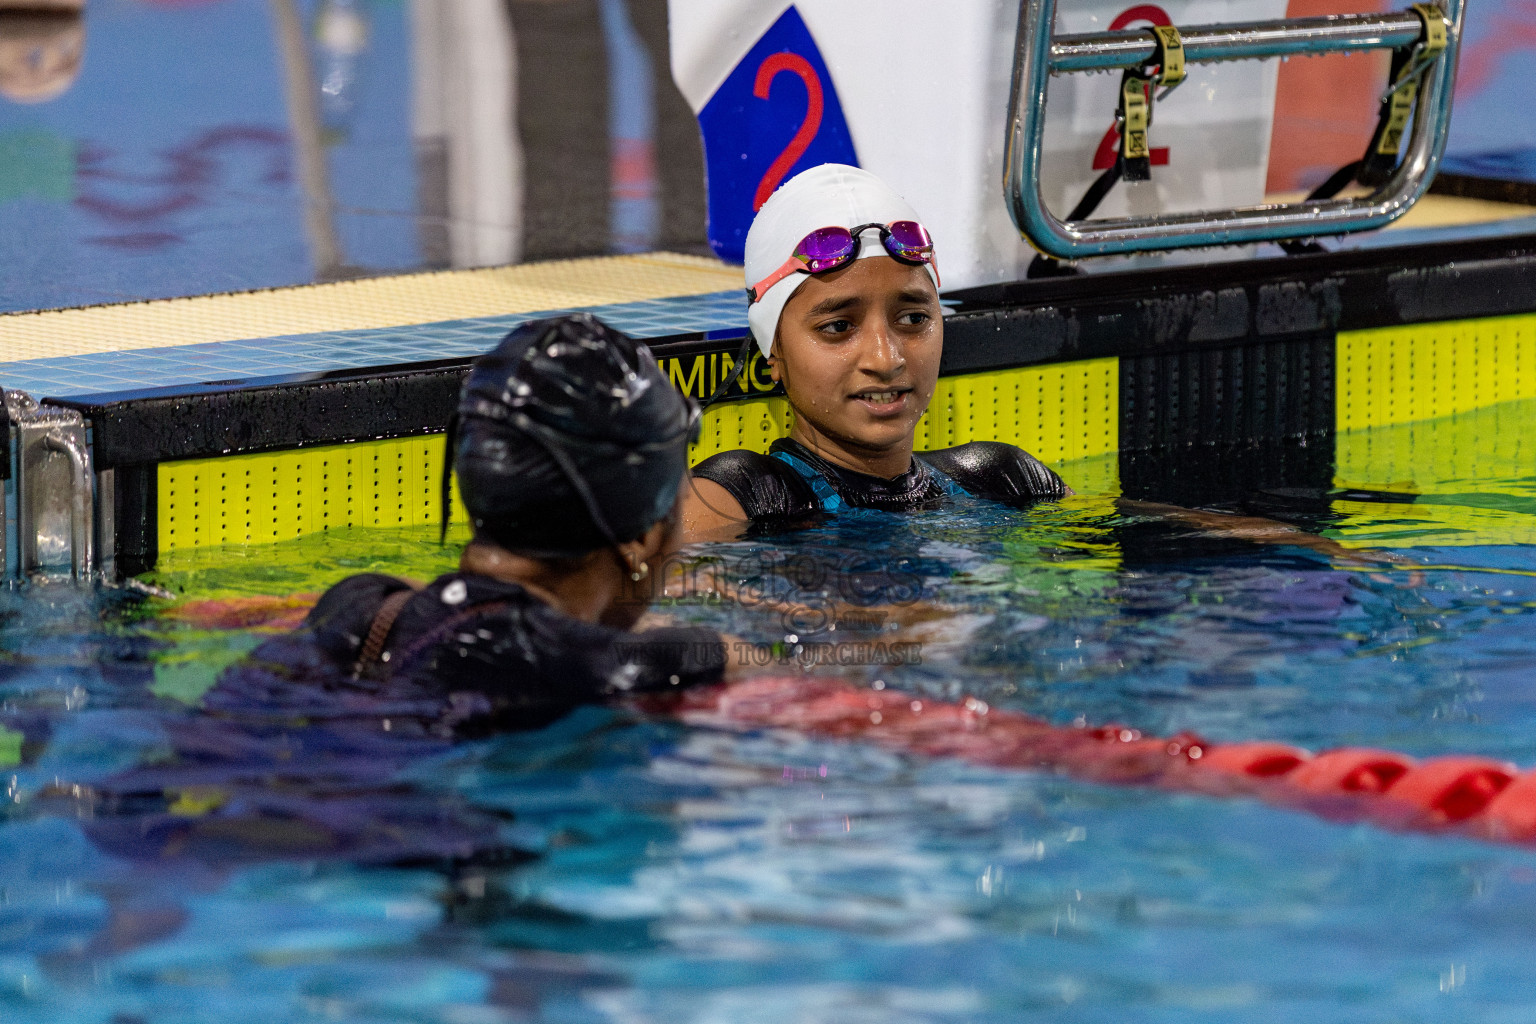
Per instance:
(1429,47)
(1399,98)
(1169,57)
(1390,138)
(1135,116)
(1136,96)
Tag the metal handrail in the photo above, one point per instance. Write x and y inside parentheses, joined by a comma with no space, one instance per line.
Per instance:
(1038,56)
(1294,37)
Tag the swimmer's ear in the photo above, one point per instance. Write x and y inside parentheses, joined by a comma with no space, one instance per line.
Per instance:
(772,360)
(633,553)
(635,556)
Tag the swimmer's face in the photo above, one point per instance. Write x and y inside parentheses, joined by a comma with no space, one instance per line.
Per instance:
(858,353)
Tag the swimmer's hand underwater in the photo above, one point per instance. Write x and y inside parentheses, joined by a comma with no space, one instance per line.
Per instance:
(1258,530)
(910,621)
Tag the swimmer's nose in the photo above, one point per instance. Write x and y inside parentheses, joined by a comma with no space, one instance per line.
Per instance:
(882,354)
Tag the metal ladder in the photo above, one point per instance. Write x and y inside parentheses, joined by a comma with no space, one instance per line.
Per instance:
(1423,88)
(51,522)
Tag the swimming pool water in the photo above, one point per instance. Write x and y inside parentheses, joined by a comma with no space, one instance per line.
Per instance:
(160,863)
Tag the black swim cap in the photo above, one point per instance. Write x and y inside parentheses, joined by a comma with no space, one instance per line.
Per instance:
(568,438)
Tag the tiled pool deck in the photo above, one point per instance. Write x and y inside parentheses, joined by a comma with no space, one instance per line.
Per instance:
(75,375)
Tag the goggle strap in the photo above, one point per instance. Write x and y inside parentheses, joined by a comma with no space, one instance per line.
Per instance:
(742,355)
(790,266)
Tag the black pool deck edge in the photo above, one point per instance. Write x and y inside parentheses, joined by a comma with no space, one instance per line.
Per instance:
(1134,314)
(1495,190)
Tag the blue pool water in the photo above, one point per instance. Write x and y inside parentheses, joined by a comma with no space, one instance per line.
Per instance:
(618,867)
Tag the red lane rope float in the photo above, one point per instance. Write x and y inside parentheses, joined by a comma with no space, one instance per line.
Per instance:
(1472,795)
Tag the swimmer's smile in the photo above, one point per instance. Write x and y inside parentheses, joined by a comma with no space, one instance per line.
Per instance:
(883,401)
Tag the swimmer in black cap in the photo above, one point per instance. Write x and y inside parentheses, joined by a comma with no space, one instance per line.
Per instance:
(844,305)
(571,448)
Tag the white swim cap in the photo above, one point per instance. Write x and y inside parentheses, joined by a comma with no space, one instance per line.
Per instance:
(831,195)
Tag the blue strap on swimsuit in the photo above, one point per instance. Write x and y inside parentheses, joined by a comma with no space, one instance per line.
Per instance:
(951,488)
(830,500)
(827,495)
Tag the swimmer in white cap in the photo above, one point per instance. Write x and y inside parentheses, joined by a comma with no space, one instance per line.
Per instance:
(844,304)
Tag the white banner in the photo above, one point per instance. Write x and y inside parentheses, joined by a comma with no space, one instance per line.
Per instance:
(922,87)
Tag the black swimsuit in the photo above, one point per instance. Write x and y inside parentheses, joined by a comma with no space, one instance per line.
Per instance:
(793,482)
(465,653)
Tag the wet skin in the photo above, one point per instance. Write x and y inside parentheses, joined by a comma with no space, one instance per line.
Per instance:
(857,351)
(858,354)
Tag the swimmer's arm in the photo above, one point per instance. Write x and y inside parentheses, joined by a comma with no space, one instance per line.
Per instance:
(710,512)
(1250,528)
(739,660)
(705,581)
(1258,530)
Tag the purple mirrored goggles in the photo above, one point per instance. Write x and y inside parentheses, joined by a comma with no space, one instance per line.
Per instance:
(828,248)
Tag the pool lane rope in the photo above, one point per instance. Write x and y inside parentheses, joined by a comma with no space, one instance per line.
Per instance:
(1475,796)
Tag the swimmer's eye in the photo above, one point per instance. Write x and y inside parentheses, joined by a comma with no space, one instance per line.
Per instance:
(835,327)
(915,318)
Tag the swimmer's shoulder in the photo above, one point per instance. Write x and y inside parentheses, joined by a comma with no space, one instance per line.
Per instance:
(999,472)
(765,487)
(340,620)
(345,615)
